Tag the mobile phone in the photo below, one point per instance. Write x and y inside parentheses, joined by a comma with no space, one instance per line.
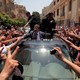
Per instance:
(52,51)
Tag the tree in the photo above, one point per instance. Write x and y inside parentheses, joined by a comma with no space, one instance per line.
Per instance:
(7,21)
(19,22)
(36,17)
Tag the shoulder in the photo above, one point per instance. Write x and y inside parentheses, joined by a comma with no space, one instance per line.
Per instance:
(30,32)
(41,32)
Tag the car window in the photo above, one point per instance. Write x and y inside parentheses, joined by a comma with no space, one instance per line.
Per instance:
(40,65)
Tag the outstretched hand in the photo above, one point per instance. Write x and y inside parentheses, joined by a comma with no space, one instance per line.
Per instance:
(57,35)
(59,54)
(10,63)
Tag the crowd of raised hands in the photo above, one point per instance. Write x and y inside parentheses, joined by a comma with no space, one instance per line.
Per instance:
(71,37)
(10,64)
(9,39)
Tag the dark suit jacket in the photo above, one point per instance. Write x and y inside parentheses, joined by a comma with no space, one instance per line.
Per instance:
(33,35)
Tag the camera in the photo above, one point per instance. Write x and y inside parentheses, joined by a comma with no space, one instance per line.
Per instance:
(52,51)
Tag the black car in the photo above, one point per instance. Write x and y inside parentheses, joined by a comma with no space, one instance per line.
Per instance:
(39,64)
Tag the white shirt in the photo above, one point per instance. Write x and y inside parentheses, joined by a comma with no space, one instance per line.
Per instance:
(38,36)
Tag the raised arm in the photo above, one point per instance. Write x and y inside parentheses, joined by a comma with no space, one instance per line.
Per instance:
(70,43)
(73,35)
(60,56)
(10,65)
(9,40)
(16,42)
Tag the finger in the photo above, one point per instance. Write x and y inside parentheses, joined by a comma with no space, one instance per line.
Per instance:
(14,61)
(15,52)
(14,65)
(8,52)
(56,55)
(1,50)
(57,48)
(3,56)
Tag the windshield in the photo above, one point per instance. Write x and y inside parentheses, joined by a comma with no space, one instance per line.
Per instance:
(40,65)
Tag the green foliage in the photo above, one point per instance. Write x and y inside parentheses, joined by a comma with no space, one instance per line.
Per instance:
(36,17)
(19,22)
(7,21)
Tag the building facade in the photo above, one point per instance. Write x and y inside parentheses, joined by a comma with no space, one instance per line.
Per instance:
(13,10)
(2,5)
(66,12)
(7,6)
(20,11)
(10,6)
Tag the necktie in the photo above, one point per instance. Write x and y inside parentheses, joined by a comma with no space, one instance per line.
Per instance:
(35,35)
(38,36)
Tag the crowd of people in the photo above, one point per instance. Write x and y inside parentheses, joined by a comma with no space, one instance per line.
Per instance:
(47,25)
(11,37)
(9,46)
(71,37)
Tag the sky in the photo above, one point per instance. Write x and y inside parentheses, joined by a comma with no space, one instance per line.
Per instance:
(34,5)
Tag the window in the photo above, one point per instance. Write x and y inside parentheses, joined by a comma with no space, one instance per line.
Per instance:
(70,5)
(40,65)
(54,13)
(54,3)
(0,4)
(63,10)
(57,12)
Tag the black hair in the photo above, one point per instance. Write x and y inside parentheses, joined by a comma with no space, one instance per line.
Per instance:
(50,13)
(20,67)
(27,13)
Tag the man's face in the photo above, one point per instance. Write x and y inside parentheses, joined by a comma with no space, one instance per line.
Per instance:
(36,28)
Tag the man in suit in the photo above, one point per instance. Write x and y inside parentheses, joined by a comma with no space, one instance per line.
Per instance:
(36,34)
(48,24)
